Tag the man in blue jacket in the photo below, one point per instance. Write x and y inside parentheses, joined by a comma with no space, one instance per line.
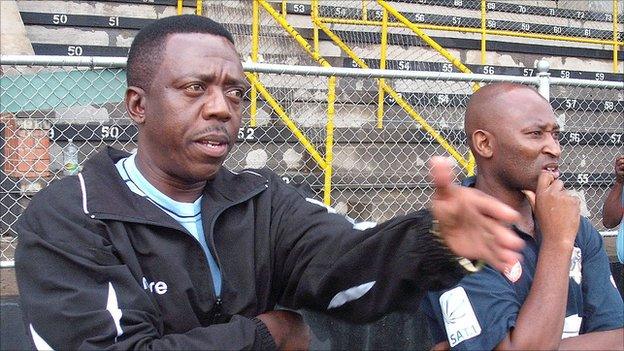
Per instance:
(167,249)
(561,294)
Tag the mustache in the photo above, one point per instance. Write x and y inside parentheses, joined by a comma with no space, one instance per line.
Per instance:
(221,130)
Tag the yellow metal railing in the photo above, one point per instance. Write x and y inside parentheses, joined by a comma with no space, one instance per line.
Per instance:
(386,89)
(313,51)
(382,65)
(325,163)
(427,39)
(615,36)
(484,31)
(199,7)
(255,38)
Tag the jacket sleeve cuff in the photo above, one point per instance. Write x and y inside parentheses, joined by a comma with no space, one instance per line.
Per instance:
(264,339)
(470,266)
(441,264)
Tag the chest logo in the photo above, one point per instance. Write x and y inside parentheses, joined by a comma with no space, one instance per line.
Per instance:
(460,320)
(514,272)
(159,288)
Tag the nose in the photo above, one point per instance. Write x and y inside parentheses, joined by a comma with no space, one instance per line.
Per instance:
(216,105)
(552,146)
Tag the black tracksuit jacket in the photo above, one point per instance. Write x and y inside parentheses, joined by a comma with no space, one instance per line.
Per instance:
(98,266)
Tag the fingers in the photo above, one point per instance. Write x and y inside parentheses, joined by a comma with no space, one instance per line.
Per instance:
(504,243)
(557,185)
(508,258)
(619,165)
(495,243)
(442,175)
(544,181)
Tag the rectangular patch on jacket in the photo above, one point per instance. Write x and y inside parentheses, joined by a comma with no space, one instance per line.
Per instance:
(460,320)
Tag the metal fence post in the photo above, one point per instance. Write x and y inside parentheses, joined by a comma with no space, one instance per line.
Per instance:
(544,79)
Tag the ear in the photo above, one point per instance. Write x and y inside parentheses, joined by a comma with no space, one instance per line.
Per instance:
(135,104)
(482,142)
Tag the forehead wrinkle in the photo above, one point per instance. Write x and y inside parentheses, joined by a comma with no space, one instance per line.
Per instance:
(210,72)
(213,48)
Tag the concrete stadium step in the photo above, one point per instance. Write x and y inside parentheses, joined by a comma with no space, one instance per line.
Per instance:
(526,18)
(577,10)
(121,37)
(470,51)
(148,9)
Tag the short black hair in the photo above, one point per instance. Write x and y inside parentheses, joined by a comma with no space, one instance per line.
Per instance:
(147,48)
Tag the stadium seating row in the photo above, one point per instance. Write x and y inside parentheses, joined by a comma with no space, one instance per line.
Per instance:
(492,6)
(370,37)
(447,20)
(520,8)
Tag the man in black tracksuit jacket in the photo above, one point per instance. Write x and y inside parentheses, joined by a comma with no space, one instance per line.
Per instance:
(100,266)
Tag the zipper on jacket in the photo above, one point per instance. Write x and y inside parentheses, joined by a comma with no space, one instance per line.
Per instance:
(217,309)
(179,228)
(218,316)
(211,242)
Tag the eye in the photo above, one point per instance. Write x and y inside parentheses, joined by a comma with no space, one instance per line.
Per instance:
(555,134)
(536,133)
(236,93)
(194,88)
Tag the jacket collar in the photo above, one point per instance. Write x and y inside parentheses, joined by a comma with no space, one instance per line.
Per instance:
(107,195)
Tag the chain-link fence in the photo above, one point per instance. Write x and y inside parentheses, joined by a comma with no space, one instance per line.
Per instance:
(56,112)
(395,30)
(594,27)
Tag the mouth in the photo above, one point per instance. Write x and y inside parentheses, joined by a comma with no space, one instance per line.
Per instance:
(215,146)
(553,169)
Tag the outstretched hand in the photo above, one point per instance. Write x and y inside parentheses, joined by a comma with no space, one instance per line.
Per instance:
(473,224)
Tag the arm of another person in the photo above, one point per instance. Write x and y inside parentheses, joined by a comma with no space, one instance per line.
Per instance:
(603,318)
(76,294)
(595,341)
(605,340)
(541,318)
(362,271)
(601,340)
(613,209)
